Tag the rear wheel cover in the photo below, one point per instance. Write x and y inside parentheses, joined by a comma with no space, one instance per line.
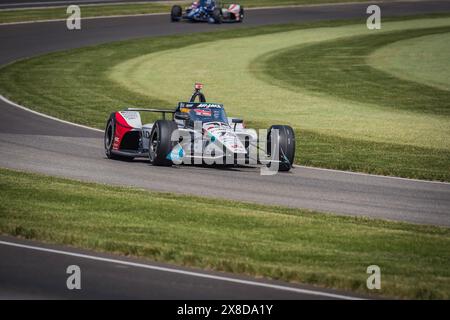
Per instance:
(109,140)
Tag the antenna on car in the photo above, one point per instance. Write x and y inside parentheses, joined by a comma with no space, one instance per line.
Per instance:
(198,93)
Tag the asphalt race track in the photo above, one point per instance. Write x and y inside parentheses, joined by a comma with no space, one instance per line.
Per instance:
(28,272)
(34,143)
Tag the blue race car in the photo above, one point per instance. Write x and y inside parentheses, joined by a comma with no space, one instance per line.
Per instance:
(208,11)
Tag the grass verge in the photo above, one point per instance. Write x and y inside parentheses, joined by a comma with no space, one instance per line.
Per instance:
(36,14)
(423,60)
(286,244)
(390,159)
(347,74)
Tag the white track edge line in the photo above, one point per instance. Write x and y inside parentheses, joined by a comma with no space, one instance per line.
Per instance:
(372,175)
(82,19)
(84,3)
(88,3)
(183,272)
(2,98)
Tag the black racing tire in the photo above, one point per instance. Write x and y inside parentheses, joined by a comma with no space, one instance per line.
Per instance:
(109,140)
(285,144)
(175,13)
(241,14)
(160,144)
(217,15)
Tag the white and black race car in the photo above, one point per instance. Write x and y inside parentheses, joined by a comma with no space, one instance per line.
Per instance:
(197,133)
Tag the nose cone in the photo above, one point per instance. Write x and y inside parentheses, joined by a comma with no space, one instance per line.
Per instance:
(224,135)
(233,144)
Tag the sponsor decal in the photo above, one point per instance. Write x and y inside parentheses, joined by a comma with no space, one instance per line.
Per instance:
(199,105)
(209,105)
(204,113)
(129,115)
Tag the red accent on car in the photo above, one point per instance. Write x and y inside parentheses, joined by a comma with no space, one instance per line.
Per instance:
(122,128)
(234,9)
(205,113)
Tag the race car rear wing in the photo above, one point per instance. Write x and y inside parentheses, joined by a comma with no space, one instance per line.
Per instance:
(163,111)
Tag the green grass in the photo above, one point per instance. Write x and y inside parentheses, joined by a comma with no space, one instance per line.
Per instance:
(286,244)
(345,73)
(334,131)
(320,150)
(36,14)
(413,60)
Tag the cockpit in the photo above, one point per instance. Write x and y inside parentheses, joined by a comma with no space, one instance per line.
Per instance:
(202,111)
(208,115)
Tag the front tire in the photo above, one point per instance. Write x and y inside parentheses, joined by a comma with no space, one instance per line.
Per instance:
(285,145)
(175,13)
(160,144)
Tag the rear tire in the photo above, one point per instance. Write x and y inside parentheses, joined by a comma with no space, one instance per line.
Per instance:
(285,145)
(175,13)
(160,144)
(110,131)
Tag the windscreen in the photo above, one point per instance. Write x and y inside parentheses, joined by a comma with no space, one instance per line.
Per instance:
(208,115)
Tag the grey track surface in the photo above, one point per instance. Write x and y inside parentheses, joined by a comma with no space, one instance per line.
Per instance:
(30,274)
(30,142)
